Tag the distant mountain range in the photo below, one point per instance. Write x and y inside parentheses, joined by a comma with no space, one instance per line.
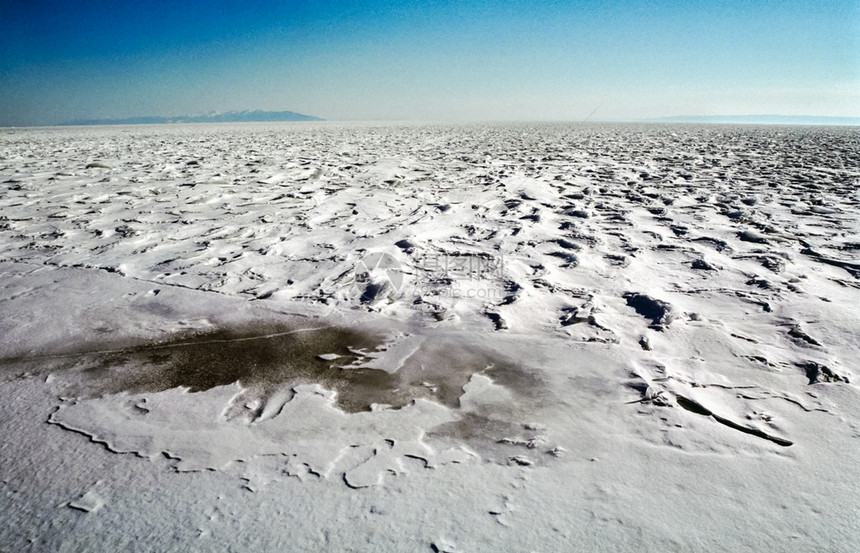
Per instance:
(264,116)
(228,117)
(760,119)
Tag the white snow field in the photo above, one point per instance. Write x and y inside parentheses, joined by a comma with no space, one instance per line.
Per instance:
(462,338)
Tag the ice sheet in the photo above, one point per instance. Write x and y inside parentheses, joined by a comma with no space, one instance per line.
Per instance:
(537,337)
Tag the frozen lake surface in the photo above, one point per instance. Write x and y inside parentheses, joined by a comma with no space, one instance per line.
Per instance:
(319,336)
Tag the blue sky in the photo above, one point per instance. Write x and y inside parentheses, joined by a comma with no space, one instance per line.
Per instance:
(434,60)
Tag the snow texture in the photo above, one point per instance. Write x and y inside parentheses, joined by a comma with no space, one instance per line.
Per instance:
(305,337)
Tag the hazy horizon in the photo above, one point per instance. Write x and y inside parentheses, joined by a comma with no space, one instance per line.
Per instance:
(257,116)
(465,61)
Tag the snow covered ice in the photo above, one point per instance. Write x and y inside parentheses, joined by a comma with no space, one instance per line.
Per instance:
(318,336)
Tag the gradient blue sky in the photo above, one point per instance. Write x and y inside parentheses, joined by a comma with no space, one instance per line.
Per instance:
(435,60)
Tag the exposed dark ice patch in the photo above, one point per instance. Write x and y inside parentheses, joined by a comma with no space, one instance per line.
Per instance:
(376,291)
(702,265)
(750,236)
(567,244)
(817,372)
(405,245)
(261,356)
(498,321)
(265,357)
(802,337)
(659,312)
